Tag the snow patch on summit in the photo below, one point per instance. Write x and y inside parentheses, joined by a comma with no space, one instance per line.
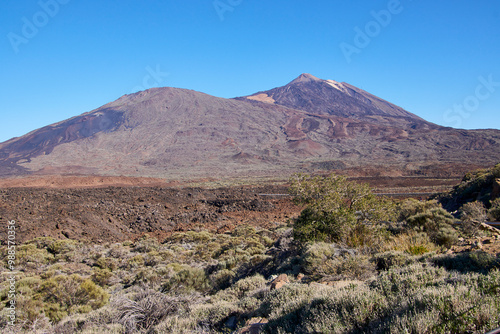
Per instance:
(337,85)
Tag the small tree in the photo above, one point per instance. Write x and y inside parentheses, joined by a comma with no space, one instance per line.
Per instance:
(337,210)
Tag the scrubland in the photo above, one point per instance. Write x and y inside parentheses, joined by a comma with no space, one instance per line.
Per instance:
(355,263)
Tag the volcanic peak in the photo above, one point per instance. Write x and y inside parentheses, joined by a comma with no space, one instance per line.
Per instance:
(305,77)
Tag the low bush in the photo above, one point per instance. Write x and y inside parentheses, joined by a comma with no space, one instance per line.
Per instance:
(158,288)
(136,261)
(31,255)
(392,259)
(411,207)
(411,242)
(188,280)
(328,261)
(221,279)
(478,261)
(146,244)
(63,295)
(305,309)
(148,308)
(101,277)
(436,222)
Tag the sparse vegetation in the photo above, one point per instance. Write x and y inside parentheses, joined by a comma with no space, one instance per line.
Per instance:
(355,263)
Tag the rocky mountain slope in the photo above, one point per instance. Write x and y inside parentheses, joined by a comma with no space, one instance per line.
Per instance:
(308,125)
(329,97)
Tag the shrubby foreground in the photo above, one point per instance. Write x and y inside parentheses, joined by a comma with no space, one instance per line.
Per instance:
(355,263)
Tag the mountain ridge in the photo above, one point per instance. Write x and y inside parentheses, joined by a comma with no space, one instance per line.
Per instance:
(307,125)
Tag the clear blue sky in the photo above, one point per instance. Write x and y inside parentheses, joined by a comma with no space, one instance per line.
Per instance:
(426,57)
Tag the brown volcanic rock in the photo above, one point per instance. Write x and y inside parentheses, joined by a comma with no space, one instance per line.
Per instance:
(119,213)
(306,125)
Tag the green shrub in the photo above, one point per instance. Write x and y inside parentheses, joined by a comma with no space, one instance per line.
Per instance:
(146,244)
(30,254)
(62,246)
(188,280)
(315,225)
(64,295)
(136,261)
(478,261)
(211,317)
(306,309)
(411,207)
(221,279)
(430,220)
(42,242)
(106,263)
(147,277)
(463,305)
(247,285)
(418,250)
(101,277)
(411,242)
(436,222)
(335,208)
(393,259)
(322,260)
(190,237)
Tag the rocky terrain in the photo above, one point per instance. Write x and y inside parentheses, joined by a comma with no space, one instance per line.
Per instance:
(308,125)
(119,209)
(124,213)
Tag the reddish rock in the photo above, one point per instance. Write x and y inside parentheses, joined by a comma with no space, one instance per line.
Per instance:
(279,282)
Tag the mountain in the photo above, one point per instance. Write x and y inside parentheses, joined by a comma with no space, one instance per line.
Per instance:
(329,97)
(308,125)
